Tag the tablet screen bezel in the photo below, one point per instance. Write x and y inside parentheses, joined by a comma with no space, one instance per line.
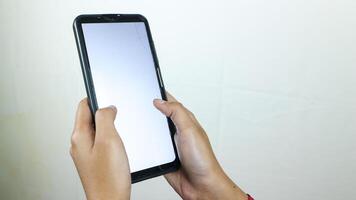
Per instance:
(124,18)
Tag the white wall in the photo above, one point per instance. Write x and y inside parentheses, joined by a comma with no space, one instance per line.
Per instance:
(273,82)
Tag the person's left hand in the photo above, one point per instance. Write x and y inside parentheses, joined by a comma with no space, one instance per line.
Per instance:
(99,154)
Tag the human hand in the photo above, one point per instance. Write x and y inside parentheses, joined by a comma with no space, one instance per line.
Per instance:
(201,176)
(99,155)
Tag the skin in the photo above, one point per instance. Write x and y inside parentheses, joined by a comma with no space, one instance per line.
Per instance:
(99,155)
(101,160)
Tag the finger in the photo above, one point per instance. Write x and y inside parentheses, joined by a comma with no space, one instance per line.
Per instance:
(170,97)
(104,120)
(83,133)
(176,111)
(172,179)
(83,119)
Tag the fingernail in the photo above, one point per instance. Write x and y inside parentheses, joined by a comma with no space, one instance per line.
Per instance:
(160,101)
(113,107)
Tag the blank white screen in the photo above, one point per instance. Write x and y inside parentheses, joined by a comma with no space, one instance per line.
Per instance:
(124,75)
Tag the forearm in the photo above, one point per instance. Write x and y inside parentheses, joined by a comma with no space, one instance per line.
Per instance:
(231,191)
(222,187)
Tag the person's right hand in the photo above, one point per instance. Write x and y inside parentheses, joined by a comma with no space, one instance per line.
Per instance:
(201,176)
(99,155)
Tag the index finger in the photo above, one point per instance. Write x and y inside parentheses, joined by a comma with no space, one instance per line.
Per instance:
(170,97)
(83,119)
(83,132)
(104,120)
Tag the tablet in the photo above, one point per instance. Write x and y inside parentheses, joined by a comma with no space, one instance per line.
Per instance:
(120,68)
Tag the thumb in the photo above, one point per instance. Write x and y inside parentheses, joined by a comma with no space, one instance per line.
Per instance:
(177,112)
(104,118)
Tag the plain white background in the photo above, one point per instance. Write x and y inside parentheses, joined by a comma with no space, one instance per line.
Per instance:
(273,83)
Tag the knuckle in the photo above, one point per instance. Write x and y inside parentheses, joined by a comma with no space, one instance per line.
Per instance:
(83,101)
(75,138)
